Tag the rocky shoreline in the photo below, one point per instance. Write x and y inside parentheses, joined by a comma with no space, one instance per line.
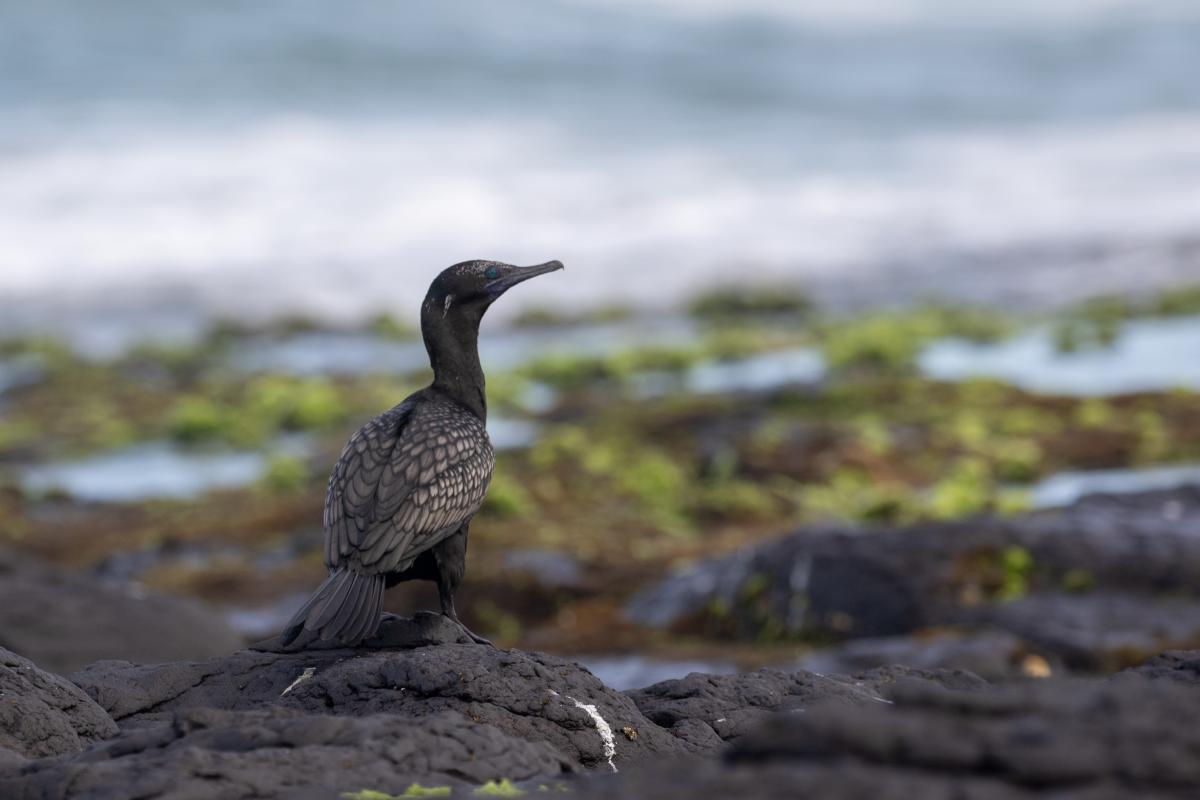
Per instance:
(1049,654)
(1092,588)
(418,708)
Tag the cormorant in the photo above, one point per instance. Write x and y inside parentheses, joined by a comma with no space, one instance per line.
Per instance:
(407,484)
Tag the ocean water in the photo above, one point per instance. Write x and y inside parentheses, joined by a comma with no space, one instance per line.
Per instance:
(166,162)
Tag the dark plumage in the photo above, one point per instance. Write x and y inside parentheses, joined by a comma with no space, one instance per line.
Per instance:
(407,484)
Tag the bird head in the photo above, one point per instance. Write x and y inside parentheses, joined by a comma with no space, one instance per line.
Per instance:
(464,291)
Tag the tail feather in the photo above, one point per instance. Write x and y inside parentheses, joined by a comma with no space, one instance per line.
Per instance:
(346,608)
(366,623)
(324,614)
(349,616)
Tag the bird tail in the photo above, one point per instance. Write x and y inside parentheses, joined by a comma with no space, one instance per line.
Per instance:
(346,608)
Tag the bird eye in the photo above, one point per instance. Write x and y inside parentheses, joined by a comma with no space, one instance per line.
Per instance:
(491,273)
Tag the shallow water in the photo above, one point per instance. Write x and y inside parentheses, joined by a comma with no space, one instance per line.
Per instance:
(499,348)
(1148,355)
(1065,488)
(314,354)
(164,470)
(757,373)
(146,471)
(624,672)
(19,371)
(264,621)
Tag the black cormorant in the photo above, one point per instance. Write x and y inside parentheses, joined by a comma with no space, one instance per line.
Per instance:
(407,484)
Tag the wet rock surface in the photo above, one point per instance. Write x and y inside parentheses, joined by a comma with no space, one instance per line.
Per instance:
(42,714)
(1102,584)
(64,621)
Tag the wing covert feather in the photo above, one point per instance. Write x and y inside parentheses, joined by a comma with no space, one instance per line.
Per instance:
(405,480)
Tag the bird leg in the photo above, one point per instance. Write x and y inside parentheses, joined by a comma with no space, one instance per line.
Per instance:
(450,560)
(447,598)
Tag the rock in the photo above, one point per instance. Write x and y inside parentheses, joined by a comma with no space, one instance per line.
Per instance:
(826,580)
(530,696)
(42,714)
(10,759)
(281,753)
(991,654)
(1100,631)
(850,584)
(1182,666)
(1147,542)
(1061,733)
(708,710)
(420,630)
(788,781)
(63,621)
(1064,738)
(369,722)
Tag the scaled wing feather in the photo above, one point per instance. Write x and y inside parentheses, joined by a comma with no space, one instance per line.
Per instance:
(406,480)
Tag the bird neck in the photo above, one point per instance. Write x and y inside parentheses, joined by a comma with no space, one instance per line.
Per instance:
(453,347)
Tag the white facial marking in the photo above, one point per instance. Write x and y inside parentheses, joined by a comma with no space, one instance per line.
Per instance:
(446,308)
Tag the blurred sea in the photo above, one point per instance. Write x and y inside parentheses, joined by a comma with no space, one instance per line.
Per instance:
(161,162)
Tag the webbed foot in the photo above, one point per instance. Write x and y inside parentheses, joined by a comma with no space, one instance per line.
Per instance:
(476,638)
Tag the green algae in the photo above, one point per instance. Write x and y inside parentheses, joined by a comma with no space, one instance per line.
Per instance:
(892,341)
(286,474)
(386,326)
(546,317)
(415,790)
(727,304)
(501,788)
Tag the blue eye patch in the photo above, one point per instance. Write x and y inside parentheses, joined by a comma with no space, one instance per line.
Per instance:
(491,273)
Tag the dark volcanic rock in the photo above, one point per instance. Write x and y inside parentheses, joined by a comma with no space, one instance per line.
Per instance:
(847,583)
(322,723)
(10,759)
(395,633)
(707,710)
(531,696)
(1132,737)
(64,621)
(1101,631)
(1061,733)
(42,714)
(991,654)
(281,753)
(710,709)
(1174,665)
(789,781)
(828,580)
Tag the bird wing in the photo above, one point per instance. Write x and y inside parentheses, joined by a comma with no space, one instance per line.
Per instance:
(404,481)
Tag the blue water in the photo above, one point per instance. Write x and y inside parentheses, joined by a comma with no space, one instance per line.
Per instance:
(164,160)
(1065,488)
(1146,356)
(146,471)
(163,470)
